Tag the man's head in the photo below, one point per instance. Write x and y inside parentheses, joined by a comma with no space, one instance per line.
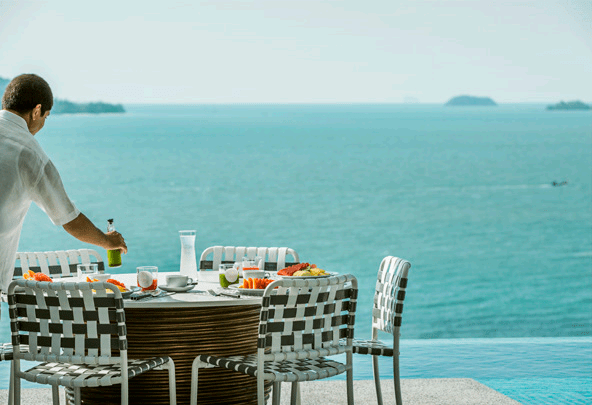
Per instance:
(29,96)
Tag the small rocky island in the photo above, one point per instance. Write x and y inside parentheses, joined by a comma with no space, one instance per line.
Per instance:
(462,101)
(68,107)
(570,105)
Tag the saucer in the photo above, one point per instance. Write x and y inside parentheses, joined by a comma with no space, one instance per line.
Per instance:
(176,289)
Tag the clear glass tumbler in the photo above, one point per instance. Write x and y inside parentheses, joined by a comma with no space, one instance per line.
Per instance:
(147,277)
(87,270)
(228,274)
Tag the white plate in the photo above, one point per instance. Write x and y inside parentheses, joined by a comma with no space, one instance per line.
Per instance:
(247,291)
(327,274)
(176,289)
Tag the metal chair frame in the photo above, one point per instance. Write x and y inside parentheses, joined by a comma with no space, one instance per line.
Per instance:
(387,314)
(78,331)
(301,322)
(59,263)
(274,258)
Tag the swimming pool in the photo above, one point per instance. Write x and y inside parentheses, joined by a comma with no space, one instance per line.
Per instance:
(533,371)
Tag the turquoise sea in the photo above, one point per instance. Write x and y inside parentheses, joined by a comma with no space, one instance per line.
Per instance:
(464,194)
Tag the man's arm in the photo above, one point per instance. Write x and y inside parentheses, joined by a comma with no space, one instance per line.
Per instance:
(84,230)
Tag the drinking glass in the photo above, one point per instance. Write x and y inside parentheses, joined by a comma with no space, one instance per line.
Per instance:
(227,278)
(87,270)
(147,277)
(250,264)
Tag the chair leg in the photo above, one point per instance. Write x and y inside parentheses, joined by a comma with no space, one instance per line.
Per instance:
(350,380)
(277,393)
(194,375)
(17,383)
(55,394)
(77,396)
(295,394)
(170,365)
(124,391)
(397,378)
(377,380)
(11,387)
(260,388)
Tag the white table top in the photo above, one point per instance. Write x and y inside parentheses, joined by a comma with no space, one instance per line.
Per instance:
(195,298)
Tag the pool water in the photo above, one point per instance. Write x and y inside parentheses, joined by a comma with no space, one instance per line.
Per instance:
(532,371)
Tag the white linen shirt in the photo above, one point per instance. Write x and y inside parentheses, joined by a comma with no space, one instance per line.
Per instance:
(26,175)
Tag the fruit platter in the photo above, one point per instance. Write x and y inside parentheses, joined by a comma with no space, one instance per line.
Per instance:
(39,276)
(303,270)
(31,275)
(125,292)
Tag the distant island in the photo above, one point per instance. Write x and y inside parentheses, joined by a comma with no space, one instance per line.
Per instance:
(68,107)
(570,105)
(470,101)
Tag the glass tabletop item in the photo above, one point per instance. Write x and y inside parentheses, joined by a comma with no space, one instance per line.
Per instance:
(188,261)
(147,277)
(228,274)
(113,256)
(87,270)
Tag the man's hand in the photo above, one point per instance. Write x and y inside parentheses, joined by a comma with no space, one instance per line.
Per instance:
(84,230)
(116,241)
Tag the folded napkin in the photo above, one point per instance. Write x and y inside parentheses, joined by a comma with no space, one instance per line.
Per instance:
(146,294)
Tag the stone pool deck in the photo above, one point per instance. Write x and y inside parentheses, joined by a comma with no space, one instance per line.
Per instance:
(432,391)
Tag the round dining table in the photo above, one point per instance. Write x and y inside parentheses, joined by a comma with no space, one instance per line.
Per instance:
(182,325)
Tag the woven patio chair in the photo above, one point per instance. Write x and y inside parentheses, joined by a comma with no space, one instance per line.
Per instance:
(79,335)
(387,314)
(59,263)
(301,322)
(274,258)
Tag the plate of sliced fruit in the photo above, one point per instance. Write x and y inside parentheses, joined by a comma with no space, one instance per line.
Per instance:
(304,270)
(252,286)
(31,275)
(125,292)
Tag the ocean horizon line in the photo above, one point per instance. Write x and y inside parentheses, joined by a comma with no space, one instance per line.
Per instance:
(533,103)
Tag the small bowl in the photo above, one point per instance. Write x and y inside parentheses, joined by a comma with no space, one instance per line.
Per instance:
(102,276)
(254,274)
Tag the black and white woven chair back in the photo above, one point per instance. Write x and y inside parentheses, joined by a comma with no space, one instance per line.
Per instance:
(60,263)
(305,318)
(67,322)
(275,258)
(390,294)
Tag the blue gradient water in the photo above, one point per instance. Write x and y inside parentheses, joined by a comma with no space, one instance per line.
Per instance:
(464,194)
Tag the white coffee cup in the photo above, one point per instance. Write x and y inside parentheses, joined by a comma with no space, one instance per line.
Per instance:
(178,280)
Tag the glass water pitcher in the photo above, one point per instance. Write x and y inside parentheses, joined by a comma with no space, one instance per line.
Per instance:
(188,261)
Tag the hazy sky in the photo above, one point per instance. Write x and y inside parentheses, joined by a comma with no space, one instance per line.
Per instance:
(301,50)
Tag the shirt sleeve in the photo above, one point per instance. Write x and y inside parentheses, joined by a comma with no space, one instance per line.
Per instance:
(49,194)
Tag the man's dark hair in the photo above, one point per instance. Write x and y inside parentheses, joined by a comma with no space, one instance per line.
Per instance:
(24,92)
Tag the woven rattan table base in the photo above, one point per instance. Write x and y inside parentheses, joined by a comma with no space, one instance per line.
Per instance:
(183,333)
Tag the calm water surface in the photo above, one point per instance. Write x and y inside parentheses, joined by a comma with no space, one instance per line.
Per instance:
(464,194)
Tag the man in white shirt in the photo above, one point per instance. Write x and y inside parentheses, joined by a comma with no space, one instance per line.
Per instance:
(27,174)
